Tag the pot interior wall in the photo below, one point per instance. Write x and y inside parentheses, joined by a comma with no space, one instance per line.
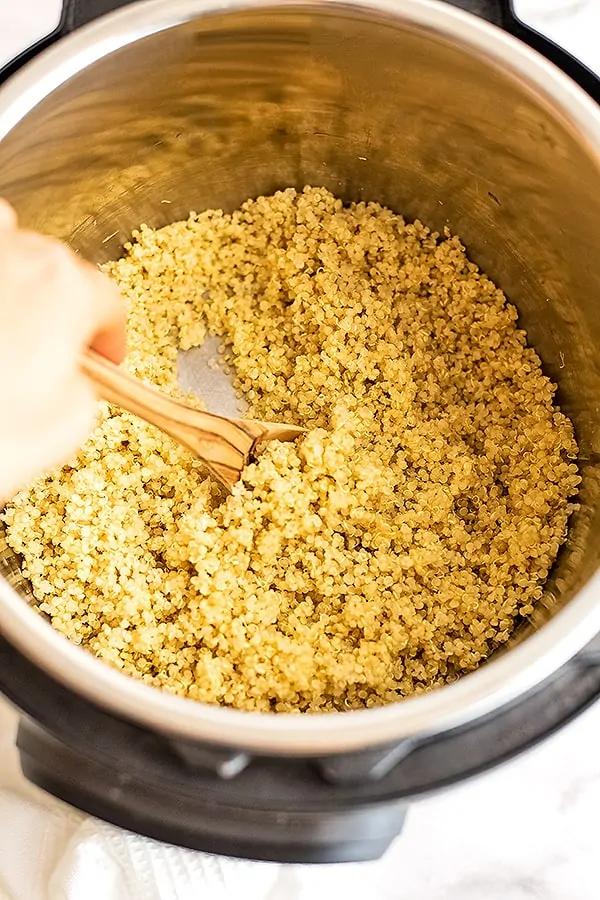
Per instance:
(211,112)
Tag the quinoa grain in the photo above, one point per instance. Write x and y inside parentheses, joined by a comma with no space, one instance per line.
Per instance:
(386,553)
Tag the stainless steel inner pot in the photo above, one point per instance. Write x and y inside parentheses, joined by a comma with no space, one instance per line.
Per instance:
(174,105)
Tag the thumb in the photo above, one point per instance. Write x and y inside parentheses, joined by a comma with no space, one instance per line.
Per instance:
(8,217)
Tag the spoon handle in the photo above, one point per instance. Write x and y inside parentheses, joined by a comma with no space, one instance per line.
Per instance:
(225,445)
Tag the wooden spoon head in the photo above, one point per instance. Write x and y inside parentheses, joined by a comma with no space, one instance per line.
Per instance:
(269,431)
(245,440)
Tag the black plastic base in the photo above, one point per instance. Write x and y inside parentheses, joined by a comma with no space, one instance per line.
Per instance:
(186,812)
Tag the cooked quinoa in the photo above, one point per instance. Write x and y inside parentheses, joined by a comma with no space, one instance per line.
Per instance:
(390,550)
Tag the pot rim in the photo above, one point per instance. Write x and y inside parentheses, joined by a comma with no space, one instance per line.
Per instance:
(496,683)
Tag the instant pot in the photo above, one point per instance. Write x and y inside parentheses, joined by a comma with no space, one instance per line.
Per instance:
(482,126)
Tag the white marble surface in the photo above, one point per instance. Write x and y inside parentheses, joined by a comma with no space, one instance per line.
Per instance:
(527,831)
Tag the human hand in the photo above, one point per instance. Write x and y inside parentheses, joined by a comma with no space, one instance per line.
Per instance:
(52,306)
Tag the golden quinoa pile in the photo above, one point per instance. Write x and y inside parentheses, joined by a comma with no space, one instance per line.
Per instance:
(390,550)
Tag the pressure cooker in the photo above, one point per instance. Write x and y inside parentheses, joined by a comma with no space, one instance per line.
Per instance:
(463,118)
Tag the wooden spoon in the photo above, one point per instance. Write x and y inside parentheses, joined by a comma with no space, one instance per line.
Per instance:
(224,445)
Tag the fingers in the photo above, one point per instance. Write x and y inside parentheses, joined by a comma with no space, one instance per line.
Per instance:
(91,302)
(57,293)
(31,445)
(8,217)
(111,343)
(53,305)
(109,335)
